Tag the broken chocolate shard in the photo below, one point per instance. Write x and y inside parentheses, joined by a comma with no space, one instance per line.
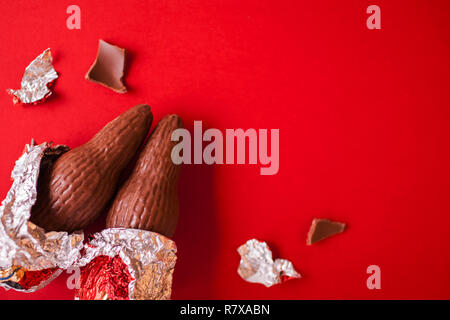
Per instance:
(322,229)
(109,67)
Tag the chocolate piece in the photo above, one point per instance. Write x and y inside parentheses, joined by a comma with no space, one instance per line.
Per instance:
(148,200)
(36,81)
(104,278)
(257,265)
(109,67)
(79,185)
(323,228)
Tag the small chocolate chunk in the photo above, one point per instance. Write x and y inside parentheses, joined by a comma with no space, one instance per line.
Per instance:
(108,68)
(323,228)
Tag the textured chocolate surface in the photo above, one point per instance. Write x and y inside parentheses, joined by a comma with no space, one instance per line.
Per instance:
(30,258)
(322,229)
(148,200)
(77,188)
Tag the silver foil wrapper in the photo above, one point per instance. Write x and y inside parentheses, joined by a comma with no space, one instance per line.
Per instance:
(140,261)
(36,81)
(148,256)
(24,247)
(258,266)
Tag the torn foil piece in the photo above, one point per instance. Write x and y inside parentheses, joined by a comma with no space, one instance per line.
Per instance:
(36,81)
(120,263)
(257,265)
(30,257)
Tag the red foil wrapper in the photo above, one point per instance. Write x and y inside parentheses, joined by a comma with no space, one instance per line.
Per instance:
(104,278)
(122,264)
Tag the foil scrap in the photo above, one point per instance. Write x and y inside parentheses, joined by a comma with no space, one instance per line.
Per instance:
(149,259)
(258,266)
(30,257)
(36,81)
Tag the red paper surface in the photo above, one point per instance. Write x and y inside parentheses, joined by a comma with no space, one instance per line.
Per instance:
(363,115)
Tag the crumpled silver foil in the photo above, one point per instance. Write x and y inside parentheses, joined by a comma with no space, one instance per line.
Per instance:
(28,251)
(149,256)
(23,245)
(257,265)
(36,81)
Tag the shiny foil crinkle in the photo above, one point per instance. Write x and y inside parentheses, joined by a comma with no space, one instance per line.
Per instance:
(258,266)
(30,257)
(120,263)
(36,81)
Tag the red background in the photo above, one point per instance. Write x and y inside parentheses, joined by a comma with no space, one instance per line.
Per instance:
(363,118)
